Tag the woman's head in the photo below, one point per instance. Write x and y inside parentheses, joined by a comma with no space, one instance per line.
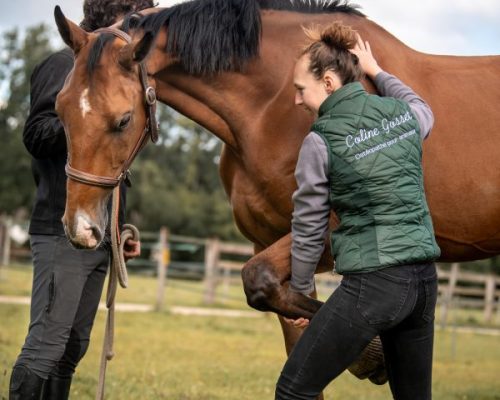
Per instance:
(325,64)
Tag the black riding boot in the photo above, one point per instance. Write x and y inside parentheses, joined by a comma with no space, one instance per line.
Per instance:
(56,388)
(25,384)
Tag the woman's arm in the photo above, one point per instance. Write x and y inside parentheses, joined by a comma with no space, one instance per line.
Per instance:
(389,85)
(311,212)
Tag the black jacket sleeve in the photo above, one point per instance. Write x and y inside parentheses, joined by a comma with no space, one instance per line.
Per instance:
(43,133)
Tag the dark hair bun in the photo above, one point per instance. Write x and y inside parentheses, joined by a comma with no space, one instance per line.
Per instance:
(339,36)
(328,50)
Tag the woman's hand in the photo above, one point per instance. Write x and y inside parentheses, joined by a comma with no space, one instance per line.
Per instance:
(300,323)
(366,60)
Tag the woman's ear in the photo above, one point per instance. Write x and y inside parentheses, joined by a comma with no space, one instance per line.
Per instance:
(331,82)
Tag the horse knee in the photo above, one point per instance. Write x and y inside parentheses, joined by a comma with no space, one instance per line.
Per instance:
(260,284)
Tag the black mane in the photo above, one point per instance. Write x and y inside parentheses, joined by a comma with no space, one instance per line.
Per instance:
(130,21)
(311,6)
(210,36)
(96,52)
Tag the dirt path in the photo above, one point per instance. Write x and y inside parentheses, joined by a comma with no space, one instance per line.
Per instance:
(134,307)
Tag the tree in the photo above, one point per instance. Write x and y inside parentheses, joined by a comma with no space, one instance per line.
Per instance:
(18,57)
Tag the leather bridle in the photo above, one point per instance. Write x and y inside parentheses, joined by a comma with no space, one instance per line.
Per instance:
(151,129)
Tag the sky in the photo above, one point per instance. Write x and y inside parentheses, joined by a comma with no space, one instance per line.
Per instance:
(460,27)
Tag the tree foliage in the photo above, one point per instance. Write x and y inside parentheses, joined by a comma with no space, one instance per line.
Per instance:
(18,56)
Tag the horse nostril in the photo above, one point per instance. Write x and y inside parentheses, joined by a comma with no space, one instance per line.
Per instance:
(97,233)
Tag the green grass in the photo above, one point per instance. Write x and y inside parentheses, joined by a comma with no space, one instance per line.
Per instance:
(163,356)
(142,289)
(16,281)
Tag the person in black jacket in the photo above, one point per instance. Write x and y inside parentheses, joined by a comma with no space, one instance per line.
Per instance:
(67,283)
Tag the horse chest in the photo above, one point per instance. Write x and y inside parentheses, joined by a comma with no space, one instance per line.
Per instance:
(262,211)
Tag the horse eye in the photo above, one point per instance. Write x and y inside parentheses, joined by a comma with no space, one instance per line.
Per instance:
(124,122)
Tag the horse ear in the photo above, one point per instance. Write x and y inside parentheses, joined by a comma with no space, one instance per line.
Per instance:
(136,51)
(74,36)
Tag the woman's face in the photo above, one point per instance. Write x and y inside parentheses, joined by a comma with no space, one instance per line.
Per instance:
(311,92)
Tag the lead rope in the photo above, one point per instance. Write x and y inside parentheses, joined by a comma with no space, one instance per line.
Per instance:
(117,272)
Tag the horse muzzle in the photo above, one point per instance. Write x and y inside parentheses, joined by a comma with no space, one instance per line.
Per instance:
(82,232)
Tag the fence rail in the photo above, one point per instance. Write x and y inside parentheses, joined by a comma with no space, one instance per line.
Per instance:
(223,262)
(465,289)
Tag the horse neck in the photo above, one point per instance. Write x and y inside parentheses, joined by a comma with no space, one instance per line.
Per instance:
(243,109)
(226,104)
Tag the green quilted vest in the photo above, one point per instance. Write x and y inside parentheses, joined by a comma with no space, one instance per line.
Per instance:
(376,181)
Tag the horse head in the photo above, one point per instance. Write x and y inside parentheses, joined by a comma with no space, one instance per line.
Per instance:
(107,114)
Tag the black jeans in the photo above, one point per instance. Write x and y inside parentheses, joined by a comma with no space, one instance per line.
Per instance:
(67,287)
(396,303)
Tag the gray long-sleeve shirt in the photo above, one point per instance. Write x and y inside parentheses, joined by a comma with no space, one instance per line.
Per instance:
(311,199)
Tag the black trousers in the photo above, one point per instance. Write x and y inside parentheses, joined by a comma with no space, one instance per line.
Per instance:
(396,303)
(67,287)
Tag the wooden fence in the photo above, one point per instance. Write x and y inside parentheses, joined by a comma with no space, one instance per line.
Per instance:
(456,289)
(463,289)
(218,269)
(5,245)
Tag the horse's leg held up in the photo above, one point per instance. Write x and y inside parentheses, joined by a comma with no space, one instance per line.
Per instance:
(265,279)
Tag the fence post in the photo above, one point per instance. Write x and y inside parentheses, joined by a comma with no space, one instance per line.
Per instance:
(2,233)
(6,242)
(497,318)
(211,260)
(489,298)
(226,281)
(163,262)
(446,304)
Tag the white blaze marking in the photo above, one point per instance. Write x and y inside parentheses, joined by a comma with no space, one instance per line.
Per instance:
(84,102)
(84,234)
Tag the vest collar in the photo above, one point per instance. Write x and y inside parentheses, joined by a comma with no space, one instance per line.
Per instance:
(348,90)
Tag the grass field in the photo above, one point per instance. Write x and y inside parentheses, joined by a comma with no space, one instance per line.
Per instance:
(164,356)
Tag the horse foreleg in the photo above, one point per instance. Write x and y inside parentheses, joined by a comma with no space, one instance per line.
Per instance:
(265,280)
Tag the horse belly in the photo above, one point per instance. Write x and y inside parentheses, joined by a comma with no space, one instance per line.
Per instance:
(462,181)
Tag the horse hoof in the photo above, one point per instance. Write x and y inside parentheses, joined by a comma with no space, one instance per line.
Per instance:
(379,377)
(370,364)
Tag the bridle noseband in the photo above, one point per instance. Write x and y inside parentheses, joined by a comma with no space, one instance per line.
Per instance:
(151,129)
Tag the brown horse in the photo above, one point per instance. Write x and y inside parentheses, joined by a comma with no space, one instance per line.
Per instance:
(228,66)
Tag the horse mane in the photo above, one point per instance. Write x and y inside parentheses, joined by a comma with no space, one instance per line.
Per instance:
(130,21)
(211,36)
(311,6)
(96,52)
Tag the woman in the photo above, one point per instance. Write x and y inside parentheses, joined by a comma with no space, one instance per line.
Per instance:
(363,160)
